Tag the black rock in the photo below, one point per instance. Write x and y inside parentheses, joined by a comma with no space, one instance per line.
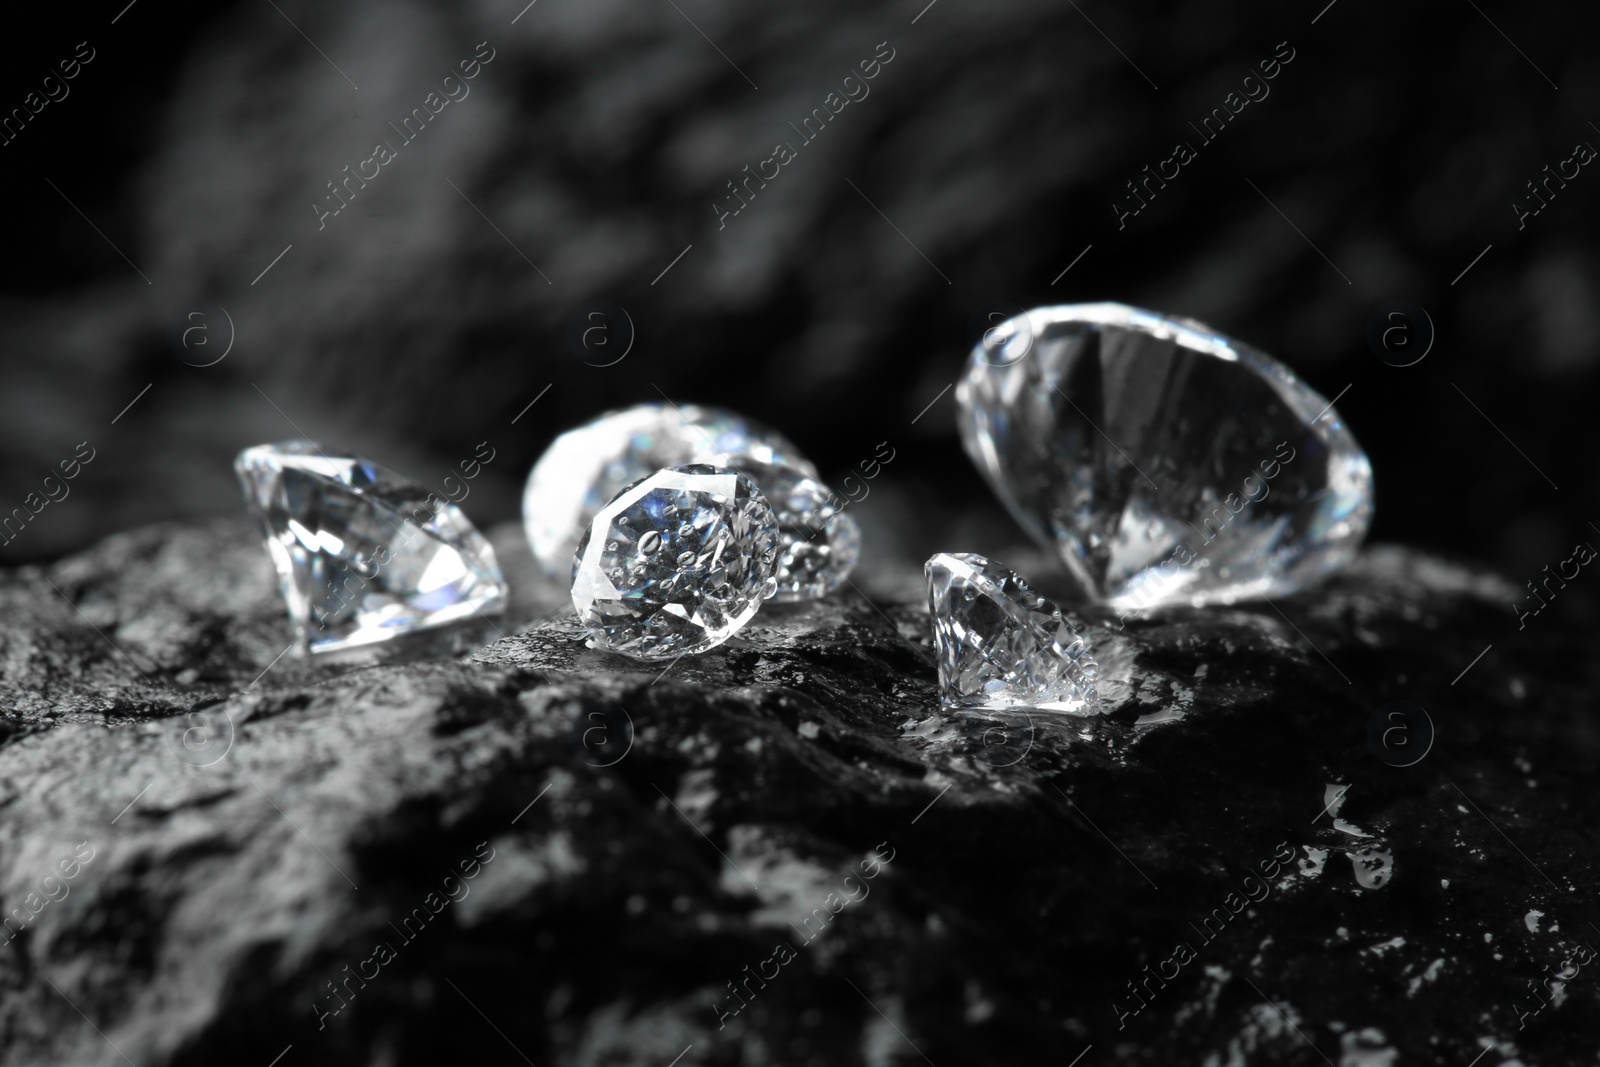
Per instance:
(568,857)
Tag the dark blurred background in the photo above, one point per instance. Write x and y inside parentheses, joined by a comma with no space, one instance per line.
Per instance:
(188,153)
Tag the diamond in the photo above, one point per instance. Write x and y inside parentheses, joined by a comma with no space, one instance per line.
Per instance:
(1164,462)
(676,563)
(588,466)
(818,544)
(364,554)
(1001,645)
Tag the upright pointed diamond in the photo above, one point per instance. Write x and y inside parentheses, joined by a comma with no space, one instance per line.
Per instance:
(364,554)
(1164,462)
(1001,645)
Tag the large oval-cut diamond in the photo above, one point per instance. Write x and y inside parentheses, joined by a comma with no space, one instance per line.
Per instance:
(677,563)
(1164,462)
(587,466)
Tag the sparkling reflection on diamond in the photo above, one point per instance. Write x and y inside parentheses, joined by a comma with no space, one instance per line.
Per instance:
(1000,644)
(364,554)
(676,563)
(587,466)
(818,544)
(1164,462)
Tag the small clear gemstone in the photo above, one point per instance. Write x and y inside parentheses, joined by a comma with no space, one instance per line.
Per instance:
(703,577)
(364,554)
(1164,462)
(588,466)
(818,544)
(1001,645)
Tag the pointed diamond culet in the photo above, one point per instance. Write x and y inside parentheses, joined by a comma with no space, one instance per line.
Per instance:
(676,563)
(364,554)
(1000,644)
(1164,462)
(587,466)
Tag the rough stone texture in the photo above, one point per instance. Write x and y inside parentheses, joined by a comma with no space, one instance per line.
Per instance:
(1036,868)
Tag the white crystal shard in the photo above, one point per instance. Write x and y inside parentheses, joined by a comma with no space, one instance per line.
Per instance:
(1000,644)
(818,544)
(364,554)
(676,563)
(1164,462)
(587,466)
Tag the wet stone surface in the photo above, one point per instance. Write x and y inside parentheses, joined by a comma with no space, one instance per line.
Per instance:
(568,858)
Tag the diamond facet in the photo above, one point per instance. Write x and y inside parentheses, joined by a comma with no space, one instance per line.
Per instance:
(587,466)
(676,563)
(818,544)
(364,554)
(1001,645)
(1164,462)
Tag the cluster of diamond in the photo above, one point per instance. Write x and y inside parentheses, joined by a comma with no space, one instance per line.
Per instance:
(1165,463)
(677,522)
